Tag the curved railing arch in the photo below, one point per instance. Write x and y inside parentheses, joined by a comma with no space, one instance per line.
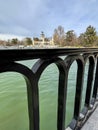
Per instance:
(31,90)
(91,59)
(80,71)
(38,69)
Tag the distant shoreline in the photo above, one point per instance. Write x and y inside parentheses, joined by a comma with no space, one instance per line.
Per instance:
(41,47)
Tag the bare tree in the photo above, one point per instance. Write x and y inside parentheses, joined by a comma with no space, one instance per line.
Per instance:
(71,38)
(59,36)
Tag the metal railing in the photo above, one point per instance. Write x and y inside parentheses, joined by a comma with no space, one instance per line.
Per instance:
(45,57)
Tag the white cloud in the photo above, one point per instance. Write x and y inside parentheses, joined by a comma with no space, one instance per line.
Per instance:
(28,17)
(10,36)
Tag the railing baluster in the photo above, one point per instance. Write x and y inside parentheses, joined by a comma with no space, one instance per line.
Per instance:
(79,86)
(96,82)
(62,92)
(89,82)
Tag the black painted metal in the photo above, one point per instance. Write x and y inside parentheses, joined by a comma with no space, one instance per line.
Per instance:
(46,57)
(96,82)
(90,80)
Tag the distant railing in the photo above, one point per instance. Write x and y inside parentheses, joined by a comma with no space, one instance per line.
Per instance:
(46,57)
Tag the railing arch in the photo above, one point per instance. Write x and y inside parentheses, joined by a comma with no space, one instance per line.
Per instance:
(38,69)
(31,90)
(91,59)
(80,73)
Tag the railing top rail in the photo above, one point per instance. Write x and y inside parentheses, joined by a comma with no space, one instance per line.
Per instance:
(25,54)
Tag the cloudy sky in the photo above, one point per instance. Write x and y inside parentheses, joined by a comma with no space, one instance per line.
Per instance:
(30,17)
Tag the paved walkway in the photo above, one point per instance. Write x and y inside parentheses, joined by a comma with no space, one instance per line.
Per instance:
(92,122)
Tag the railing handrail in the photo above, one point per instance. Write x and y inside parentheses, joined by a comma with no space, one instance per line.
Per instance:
(25,54)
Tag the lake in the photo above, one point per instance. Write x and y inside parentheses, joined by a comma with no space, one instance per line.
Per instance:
(13,98)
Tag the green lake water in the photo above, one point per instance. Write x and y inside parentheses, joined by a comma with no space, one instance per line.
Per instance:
(13,98)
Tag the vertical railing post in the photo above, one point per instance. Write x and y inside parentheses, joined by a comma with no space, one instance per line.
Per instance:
(79,87)
(61,101)
(96,82)
(89,82)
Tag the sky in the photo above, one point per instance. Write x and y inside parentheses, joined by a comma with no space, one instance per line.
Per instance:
(29,17)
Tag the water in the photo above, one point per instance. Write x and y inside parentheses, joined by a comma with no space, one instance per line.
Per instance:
(13,99)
